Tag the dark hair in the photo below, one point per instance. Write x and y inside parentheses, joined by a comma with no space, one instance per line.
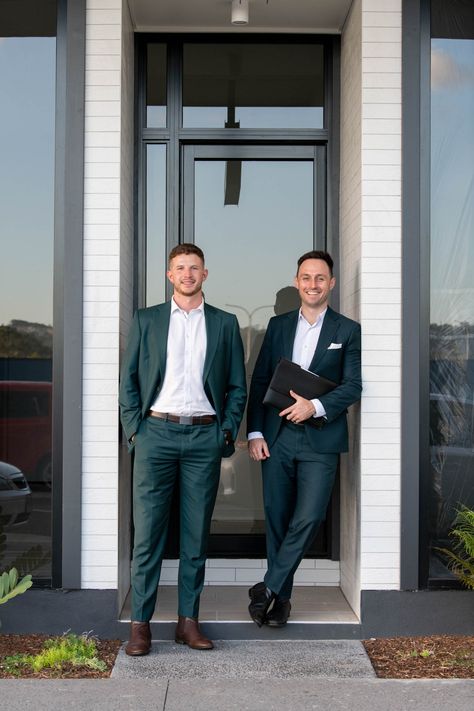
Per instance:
(186,248)
(316,254)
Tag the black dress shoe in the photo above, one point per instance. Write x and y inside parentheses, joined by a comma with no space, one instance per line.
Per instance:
(260,600)
(279,614)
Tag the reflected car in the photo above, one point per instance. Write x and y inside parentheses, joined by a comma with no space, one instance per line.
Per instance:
(25,427)
(15,496)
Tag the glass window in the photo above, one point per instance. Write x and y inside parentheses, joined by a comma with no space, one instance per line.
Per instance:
(253,85)
(27,85)
(156,86)
(451,480)
(155,223)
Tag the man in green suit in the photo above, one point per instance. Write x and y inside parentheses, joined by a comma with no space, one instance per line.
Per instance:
(182,396)
(299,461)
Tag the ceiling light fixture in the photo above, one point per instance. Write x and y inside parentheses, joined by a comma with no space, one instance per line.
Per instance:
(240,12)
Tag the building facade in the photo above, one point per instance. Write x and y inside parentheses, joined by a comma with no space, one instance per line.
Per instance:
(134,125)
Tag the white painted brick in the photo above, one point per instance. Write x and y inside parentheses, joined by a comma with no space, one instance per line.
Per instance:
(100,170)
(381,545)
(246,576)
(111,77)
(384,250)
(106,512)
(381,327)
(384,281)
(93,232)
(100,469)
(97,403)
(380,126)
(381,474)
(380,451)
(171,563)
(380,233)
(94,559)
(380,575)
(380,435)
(105,574)
(303,575)
(105,355)
(99,434)
(98,585)
(99,543)
(382,203)
(383,143)
(105,124)
(375,151)
(382,97)
(102,93)
(381,64)
(324,564)
(381,187)
(380,6)
(103,4)
(390,513)
(103,495)
(236,563)
(103,17)
(380,80)
(99,527)
(101,386)
(387,311)
(103,32)
(100,202)
(103,154)
(224,575)
(102,185)
(102,46)
(96,277)
(380,529)
(308,563)
(100,340)
(381,419)
(380,499)
(381,560)
(100,325)
(376,374)
(381,19)
(101,140)
(100,449)
(101,309)
(101,63)
(381,34)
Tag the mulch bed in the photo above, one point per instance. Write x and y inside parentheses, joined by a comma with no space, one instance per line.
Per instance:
(11,644)
(431,657)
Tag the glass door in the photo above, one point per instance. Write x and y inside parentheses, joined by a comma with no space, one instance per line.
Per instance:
(253,210)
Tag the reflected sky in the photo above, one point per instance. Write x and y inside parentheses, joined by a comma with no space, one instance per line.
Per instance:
(251,248)
(452,181)
(27,91)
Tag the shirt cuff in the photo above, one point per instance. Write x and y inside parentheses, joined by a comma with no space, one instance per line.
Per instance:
(320,411)
(255,435)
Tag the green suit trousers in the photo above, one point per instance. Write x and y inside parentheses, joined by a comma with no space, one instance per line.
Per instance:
(164,452)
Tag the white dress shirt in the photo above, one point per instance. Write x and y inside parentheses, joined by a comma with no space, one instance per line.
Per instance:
(304,346)
(182,392)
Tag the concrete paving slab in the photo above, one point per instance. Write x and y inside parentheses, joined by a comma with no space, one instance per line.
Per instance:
(302,694)
(249,660)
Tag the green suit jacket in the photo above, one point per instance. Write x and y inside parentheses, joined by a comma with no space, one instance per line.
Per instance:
(337,357)
(144,366)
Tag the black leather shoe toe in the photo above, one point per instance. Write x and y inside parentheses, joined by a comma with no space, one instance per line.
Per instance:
(279,614)
(260,600)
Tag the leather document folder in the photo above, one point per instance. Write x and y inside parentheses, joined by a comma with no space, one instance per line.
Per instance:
(291,376)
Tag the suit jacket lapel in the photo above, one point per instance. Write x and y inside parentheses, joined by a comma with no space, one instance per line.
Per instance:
(326,337)
(162,328)
(213,327)
(288,333)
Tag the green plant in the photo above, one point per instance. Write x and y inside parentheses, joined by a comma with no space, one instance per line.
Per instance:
(10,586)
(78,650)
(460,559)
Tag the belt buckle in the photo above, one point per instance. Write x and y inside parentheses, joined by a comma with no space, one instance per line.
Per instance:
(186,420)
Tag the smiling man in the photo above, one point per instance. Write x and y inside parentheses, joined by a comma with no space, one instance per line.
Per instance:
(299,461)
(182,396)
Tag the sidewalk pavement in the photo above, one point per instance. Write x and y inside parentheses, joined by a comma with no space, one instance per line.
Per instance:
(242,676)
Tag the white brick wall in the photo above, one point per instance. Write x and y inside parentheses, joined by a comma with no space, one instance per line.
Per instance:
(103,223)
(371,287)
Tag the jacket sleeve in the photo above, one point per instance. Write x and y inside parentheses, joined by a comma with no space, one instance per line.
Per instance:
(236,390)
(261,377)
(349,390)
(129,394)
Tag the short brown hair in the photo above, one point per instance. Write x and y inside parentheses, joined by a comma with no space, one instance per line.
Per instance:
(316,254)
(186,248)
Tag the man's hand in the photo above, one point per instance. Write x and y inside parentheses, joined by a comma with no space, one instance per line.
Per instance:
(258,449)
(300,410)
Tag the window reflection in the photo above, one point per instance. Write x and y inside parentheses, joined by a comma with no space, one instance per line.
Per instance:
(27,79)
(452,292)
(253,85)
(155,223)
(156,86)
(273,205)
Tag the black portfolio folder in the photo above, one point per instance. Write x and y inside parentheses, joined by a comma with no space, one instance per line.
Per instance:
(291,376)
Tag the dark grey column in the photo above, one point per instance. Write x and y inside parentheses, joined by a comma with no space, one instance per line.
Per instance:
(68,237)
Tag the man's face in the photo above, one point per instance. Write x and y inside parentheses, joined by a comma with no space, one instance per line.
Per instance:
(314,283)
(186,272)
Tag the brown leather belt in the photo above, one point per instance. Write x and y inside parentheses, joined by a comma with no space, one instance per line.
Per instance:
(183,419)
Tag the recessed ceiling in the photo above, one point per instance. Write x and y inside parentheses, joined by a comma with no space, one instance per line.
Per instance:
(297,16)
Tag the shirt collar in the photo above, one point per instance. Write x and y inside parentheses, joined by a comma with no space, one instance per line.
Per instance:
(175,307)
(317,322)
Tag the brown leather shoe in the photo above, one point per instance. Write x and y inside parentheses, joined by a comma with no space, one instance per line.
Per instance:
(140,639)
(188,632)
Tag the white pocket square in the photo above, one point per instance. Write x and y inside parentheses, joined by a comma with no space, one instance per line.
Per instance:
(334,346)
